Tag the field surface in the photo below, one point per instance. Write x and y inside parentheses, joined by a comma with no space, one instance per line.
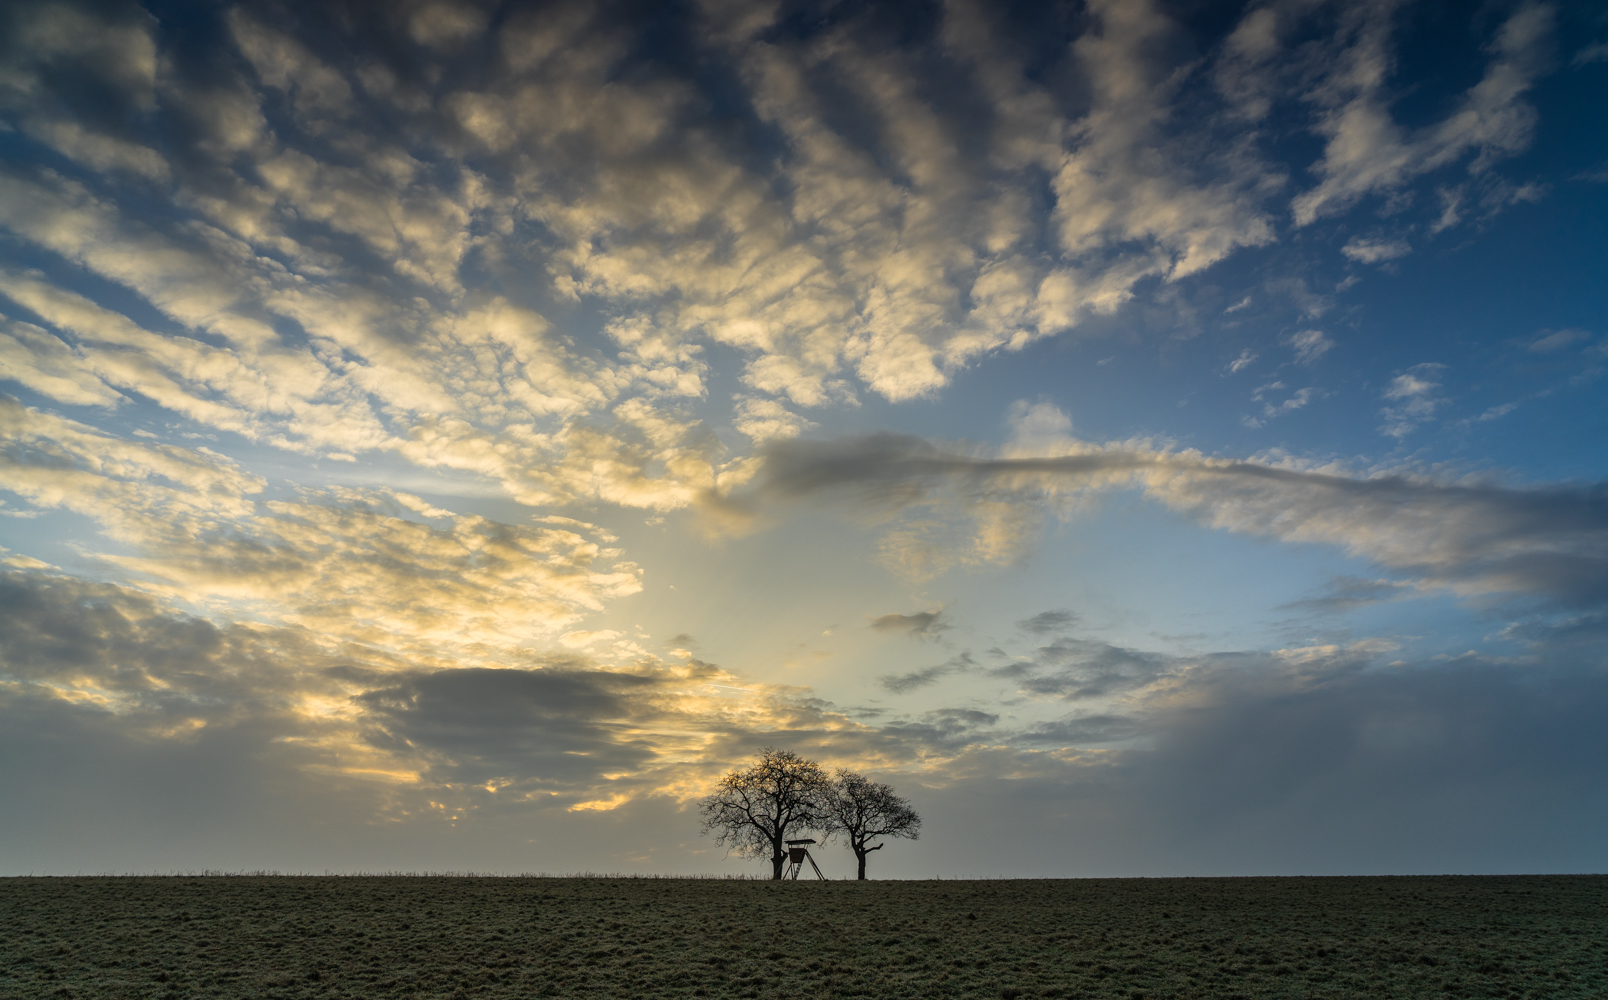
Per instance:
(162,938)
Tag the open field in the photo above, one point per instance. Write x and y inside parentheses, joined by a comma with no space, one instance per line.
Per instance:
(170,937)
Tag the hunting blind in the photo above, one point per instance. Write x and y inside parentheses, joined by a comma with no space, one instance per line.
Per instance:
(798,853)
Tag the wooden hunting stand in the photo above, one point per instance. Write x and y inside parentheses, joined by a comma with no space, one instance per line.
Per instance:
(797,854)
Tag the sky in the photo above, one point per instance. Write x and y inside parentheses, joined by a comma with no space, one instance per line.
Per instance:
(1156,438)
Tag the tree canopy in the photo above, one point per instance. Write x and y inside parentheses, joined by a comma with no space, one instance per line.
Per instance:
(863,810)
(757,809)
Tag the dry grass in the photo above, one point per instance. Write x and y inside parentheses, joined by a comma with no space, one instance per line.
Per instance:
(386,936)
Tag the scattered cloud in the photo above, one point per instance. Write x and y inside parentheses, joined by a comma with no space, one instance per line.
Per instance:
(1595,52)
(1271,410)
(1308,345)
(1081,669)
(1550,341)
(920,625)
(1345,593)
(1046,622)
(904,683)
(1369,152)
(1414,398)
(342,560)
(766,419)
(1375,250)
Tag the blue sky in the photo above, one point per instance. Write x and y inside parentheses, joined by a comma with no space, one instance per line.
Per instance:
(446,436)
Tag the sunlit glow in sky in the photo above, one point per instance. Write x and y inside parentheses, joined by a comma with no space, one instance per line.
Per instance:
(1157,438)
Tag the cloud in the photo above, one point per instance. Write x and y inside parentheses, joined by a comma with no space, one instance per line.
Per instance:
(317,298)
(1549,341)
(1375,251)
(524,731)
(1347,592)
(920,625)
(110,57)
(903,683)
(1308,345)
(1270,410)
(1048,621)
(1081,669)
(1369,152)
(560,730)
(344,561)
(319,93)
(1322,762)
(551,258)
(1596,52)
(766,419)
(34,358)
(1299,750)
(1415,399)
(1475,537)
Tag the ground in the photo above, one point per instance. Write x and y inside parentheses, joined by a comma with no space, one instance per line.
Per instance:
(290,937)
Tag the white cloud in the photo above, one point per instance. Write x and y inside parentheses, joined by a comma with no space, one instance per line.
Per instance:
(1271,410)
(342,561)
(1376,250)
(43,363)
(1550,341)
(765,420)
(1369,152)
(320,93)
(1415,399)
(1308,345)
(114,50)
(1596,52)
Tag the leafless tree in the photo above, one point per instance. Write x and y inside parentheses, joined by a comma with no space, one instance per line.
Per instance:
(756,810)
(863,810)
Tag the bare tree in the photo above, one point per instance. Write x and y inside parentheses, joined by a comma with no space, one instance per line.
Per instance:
(756,810)
(863,810)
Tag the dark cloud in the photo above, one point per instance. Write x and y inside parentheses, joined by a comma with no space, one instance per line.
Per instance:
(945,730)
(1332,764)
(1082,730)
(123,650)
(141,670)
(557,727)
(921,625)
(901,683)
(1048,621)
(1078,669)
(1347,592)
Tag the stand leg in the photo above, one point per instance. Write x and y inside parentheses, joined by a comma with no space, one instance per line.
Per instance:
(818,873)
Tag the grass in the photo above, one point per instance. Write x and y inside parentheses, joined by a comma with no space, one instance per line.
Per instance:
(438,936)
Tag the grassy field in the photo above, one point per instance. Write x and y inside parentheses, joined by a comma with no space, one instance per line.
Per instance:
(1521,936)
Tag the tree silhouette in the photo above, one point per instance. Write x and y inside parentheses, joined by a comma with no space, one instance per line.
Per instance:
(754,811)
(863,810)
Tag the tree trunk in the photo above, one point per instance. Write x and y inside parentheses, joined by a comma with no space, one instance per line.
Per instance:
(861,856)
(778,862)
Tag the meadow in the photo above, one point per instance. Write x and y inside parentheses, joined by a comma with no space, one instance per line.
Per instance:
(329,937)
